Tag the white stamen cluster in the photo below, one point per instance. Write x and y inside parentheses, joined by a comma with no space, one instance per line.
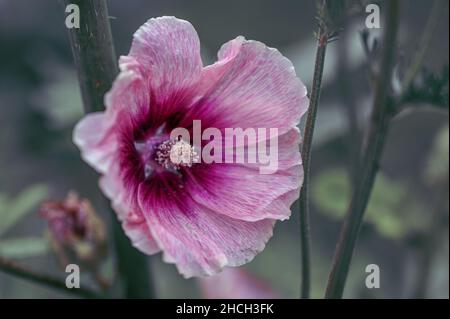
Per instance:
(173,154)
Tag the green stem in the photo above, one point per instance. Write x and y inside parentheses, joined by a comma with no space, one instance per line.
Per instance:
(322,41)
(374,144)
(14,269)
(95,59)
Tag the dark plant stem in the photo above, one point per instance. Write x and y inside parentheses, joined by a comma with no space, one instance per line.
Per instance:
(322,41)
(371,153)
(95,59)
(17,270)
(93,52)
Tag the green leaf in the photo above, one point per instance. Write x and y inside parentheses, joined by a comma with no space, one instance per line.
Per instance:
(24,247)
(14,210)
(331,192)
(60,100)
(390,210)
(437,166)
(3,201)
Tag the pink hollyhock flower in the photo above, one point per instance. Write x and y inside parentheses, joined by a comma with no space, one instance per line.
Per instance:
(201,216)
(236,283)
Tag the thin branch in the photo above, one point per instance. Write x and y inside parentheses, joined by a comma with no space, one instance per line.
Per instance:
(322,41)
(372,151)
(95,59)
(17,270)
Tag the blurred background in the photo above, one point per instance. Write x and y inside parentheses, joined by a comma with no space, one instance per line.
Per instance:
(406,226)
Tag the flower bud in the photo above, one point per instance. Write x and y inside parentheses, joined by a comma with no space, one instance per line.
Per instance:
(77,233)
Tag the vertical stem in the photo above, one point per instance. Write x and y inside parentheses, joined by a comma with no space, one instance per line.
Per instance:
(308,132)
(371,154)
(95,59)
(93,52)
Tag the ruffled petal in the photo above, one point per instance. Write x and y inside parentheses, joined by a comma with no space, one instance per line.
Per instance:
(140,236)
(169,51)
(197,240)
(94,138)
(287,152)
(243,193)
(251,86)
(129,94)
(96,134)
(130,215)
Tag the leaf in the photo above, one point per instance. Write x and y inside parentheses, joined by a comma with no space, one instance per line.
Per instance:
(24,247)
(390,210)
(331,192)
(60,100)
(12,212)
(437,166)
(3,201)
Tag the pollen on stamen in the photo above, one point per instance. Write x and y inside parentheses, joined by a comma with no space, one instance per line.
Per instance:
(174,154)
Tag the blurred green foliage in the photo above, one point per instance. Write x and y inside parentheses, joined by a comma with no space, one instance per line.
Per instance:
(12,210)
(60,99)
(24,247)
(437,167)
(390,209)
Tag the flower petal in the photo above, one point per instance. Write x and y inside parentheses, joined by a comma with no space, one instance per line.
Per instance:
(243,193)
(93,137)
(129,93)
(96,133)
(199,241)
(133,222)
(169,51)
(140,236)
(287,151)
(254,86)
(236,283)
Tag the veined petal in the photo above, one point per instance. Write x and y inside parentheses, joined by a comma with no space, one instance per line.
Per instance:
(199,241)
(140,236)
(252,86)
(96,133)
(243,193)
(94,138)
(133,222)
(169,51)
(129,93)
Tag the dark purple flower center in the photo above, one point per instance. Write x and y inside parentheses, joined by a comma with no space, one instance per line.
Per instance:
(160,153)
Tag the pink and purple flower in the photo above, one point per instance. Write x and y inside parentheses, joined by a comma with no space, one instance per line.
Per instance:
(203,217)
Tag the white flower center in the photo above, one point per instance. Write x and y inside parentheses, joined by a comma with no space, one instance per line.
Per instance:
(174,154)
